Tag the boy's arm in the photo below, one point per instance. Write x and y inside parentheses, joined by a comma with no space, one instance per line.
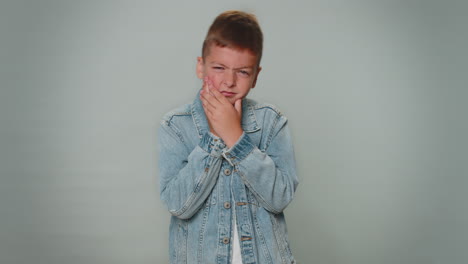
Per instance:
(186,176)
(270,175)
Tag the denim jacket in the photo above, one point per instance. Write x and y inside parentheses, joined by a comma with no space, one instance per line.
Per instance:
(203,184)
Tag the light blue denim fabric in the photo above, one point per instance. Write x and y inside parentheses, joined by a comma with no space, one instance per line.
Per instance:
(203,184)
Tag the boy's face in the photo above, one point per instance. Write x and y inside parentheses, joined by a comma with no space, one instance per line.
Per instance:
(233,72)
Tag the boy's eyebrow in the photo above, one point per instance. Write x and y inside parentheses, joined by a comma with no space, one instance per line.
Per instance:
(243,67)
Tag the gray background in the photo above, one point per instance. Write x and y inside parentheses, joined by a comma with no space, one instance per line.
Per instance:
(375,92)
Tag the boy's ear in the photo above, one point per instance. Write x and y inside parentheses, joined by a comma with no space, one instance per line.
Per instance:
(199,69)
(256,76)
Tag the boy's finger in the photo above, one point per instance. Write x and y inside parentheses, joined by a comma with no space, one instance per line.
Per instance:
(204,83)
(218,95)
(207,111)
(214,96)
(206,101)
(210,97)
(238,106)
(214,91)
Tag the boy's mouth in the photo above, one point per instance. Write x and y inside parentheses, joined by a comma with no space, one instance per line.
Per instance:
(228,94)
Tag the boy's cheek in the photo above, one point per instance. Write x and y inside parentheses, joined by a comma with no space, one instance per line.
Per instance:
(215,81)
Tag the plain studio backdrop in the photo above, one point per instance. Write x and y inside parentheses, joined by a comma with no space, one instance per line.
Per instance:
(374,91)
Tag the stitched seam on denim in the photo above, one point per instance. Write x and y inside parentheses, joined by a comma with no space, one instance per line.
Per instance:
(168,116)
(169,126)
(261,239)
(202,230)
(284,173)
(285,176)
(196,119)
(237,161)
(278,240)
(252,119)
(209,153)
(270,135)
(182,248)
(270,208)
(253,114)
(233,219)
(192,196)
(173,130)
(186,204)
(268,106)
(216,154)
(284,239)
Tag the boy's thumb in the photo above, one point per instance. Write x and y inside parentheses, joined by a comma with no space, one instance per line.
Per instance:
(238,106)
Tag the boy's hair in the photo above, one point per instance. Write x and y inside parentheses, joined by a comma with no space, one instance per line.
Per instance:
(237,30)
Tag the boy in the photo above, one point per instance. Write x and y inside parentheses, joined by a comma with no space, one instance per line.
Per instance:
(227,168)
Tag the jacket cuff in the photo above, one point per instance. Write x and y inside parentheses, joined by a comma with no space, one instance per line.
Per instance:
(239,150)
(212,144)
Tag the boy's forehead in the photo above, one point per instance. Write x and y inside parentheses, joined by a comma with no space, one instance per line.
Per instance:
(218,54)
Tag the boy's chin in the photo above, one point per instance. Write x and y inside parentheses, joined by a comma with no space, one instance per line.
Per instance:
(232,100)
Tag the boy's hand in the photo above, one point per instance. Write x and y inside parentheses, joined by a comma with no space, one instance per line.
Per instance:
(224,118)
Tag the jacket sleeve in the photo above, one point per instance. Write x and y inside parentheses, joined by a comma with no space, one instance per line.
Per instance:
(270,175)
(186,177)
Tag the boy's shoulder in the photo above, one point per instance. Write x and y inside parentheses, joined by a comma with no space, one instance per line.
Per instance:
(262,106)
(183,110)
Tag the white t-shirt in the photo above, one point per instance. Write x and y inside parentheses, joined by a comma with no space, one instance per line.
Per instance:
(236,251)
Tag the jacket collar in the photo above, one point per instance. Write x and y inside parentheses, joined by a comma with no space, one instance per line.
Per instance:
(249,121)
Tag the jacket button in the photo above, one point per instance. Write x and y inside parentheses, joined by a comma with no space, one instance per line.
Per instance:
(227,172)
(226,240)
(227,205)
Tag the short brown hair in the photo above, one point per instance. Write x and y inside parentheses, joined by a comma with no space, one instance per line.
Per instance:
(237,30)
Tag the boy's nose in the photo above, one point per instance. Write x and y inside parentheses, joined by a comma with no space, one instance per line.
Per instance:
(229,79)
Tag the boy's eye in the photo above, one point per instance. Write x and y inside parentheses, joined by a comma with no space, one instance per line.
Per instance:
(244,73)
(219,68)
